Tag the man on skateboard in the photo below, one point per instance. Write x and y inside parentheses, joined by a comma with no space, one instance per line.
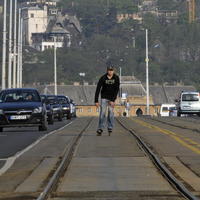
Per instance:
(108,85)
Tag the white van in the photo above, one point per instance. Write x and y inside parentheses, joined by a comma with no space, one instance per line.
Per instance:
(165,109)
(189,103)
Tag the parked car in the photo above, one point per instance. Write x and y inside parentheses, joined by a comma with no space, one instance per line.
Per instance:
(73,108)
(173,111)
(189,103)
(164,110)
(57,107)
(49,108)
(66,107)
(22,107)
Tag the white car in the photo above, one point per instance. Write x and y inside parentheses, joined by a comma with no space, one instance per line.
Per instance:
(165,109)
(189,103)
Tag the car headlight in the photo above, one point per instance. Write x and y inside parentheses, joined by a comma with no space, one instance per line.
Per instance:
(65,108)
(37,110)
(1,112)
(55,109)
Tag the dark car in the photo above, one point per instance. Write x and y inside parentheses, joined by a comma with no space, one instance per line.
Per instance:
(22,107)
(57,107)
(49,108)
(64,101)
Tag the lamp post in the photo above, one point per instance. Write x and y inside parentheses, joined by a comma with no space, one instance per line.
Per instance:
(55,67)
(19,49)
(3,83)
(10,49)
(82,74)
(15,48)
(147,72)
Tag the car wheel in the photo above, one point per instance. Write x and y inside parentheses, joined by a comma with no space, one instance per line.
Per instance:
(60,117)
(51,120)
(43,126)
(69,116)
(198,114)
(179,114)
(1,129)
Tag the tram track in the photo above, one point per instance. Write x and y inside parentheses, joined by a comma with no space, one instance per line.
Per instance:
(62,167)
(161,166)
(176,125)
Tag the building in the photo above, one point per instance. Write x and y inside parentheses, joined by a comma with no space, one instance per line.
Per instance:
(40,2)
(35,20)
(148,6)
(122,17)
(63,28)
(168,16)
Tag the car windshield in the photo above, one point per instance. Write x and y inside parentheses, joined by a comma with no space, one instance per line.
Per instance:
(51,99)
(19,96)
(172,108)
(164,109)
(190,97)
(63,100)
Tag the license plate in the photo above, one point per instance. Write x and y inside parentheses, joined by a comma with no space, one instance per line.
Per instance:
(18,117)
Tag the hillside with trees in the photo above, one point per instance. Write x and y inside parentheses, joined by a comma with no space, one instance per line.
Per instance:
(173,47)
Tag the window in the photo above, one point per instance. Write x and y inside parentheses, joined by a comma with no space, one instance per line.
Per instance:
(190,97)
(32,15)
(36,26)
(89,109)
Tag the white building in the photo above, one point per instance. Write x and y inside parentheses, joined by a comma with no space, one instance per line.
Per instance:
(35,20)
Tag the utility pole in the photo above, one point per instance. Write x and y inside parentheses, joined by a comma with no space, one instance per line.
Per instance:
(21,51)
(18,49)
(120,79)
(3,83)
(15,48)
(55,68)
(10,49)
(147,72)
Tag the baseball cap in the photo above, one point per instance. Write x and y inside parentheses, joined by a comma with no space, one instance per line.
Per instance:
(110,67)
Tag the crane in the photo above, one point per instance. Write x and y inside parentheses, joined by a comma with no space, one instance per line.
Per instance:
(192,10)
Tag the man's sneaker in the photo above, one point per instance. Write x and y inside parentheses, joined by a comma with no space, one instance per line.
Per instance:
(99,132)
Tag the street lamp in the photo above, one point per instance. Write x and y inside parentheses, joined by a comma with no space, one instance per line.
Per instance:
(55,67)
(3,83)
(82,74)
(147,72)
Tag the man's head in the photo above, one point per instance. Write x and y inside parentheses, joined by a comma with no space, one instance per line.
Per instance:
(110,70)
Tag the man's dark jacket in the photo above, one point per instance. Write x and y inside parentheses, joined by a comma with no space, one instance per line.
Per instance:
(109,88)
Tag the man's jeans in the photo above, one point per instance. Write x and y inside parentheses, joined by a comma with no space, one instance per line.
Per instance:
(102,118)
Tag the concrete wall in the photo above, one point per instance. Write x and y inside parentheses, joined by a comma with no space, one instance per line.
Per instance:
(83,111)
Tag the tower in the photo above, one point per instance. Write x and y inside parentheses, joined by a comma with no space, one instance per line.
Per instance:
(192,10)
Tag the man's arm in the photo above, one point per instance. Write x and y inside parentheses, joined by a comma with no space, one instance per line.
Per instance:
(98,89)
(117,84)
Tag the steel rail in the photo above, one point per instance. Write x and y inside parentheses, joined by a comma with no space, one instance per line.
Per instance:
(174,125)
(162,168)
(62,167)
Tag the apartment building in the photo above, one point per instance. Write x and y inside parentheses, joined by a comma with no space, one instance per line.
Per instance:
(35,20)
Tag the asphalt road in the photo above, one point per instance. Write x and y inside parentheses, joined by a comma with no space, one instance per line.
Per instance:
(13,140)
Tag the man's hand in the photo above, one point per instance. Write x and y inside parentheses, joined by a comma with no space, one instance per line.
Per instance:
(97,104)
(112,104)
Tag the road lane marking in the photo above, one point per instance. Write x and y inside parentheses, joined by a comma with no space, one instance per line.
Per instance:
(10,161)
(180,139)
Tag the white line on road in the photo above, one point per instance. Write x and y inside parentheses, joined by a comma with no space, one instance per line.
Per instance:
(11,160)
